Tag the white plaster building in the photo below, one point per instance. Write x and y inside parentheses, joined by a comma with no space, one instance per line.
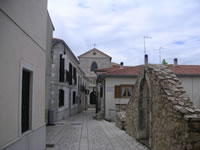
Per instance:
(115,84)
(25,31)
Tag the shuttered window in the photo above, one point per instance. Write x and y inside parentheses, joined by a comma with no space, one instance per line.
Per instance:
(61,97)
(74,97)
(117,91)
(67,76)
(70,74)
(74,75)
(62,69)
(123,91)
(101,92)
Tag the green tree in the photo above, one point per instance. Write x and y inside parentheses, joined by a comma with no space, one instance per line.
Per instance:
(164,62)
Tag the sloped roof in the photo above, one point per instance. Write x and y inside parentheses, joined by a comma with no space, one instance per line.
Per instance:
(184,70)
(94,49)
(124,71)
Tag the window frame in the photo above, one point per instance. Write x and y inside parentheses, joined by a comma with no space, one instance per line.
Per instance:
(118,88)
(26,66)
(91,68)
(61,102)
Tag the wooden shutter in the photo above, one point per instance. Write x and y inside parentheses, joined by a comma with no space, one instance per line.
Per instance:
(70,74)
(62,68)
(117,91)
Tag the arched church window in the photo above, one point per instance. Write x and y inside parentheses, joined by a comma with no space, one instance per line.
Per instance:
(94,66)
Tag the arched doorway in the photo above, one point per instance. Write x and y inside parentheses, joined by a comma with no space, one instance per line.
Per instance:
(144,113)
(93,97)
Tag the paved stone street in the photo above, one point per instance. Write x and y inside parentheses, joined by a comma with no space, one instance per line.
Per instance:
(82,132)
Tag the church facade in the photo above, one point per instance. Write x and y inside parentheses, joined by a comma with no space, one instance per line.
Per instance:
(89,62)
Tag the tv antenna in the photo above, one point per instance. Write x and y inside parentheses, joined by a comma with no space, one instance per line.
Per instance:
(146,37)
(160,56)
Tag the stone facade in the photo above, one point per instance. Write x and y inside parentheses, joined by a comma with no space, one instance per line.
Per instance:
(87,59)
(159,114)
(67,88)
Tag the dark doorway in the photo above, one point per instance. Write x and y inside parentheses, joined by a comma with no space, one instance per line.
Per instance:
(25,111)
(144,114)
(93,97)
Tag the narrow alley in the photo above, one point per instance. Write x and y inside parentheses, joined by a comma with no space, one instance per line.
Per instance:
(82,132)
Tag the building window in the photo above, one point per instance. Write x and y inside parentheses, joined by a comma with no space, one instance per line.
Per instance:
(123,91)
(74,75)
(101,92)
(26,101)
(94,66)
(61,97)
(70,74)
(62,69)
(74,97)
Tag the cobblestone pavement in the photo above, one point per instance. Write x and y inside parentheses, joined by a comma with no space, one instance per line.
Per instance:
(82,132)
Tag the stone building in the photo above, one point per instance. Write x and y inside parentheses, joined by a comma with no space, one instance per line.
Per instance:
(160,114)
(65,96)
(114,79)
(89,61)
(25,31)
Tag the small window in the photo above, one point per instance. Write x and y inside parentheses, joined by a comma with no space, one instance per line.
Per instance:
(94,66)
(101,92)
(123,91)
(26,101)
(74,97)
(74,75)
(61,97)
(126,90)
(70,74)
(62,69)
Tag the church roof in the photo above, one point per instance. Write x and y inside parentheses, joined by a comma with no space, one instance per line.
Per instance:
(94,49)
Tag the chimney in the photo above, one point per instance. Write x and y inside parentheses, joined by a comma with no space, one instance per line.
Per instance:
(146,59)
(175,62)
(121,65)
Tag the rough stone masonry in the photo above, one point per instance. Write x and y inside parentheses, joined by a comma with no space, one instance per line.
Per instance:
(160,114)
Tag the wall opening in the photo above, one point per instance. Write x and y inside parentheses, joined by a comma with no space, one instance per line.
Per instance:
(61,98)
(94,66)
(144,114)
(26,101)
(93,97)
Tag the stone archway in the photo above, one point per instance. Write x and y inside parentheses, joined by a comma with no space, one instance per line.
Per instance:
(144,113)
(93,98)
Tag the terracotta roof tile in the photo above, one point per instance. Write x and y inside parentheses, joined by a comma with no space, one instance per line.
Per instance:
(186,69)
(125,71)
(135,70)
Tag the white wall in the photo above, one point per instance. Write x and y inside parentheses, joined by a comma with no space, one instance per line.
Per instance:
(16,46)
(192,87)
(110,100)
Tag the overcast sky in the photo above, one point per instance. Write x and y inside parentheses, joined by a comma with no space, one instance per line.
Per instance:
(118,27)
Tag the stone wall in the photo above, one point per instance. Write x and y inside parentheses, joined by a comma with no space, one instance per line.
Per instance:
(169,119)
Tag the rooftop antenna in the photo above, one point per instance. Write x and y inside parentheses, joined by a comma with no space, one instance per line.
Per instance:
(160,53)
(94,45)
(146,37)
